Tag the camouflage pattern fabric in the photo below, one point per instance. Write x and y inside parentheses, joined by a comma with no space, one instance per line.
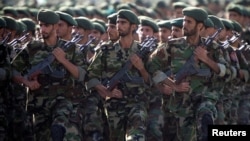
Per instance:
(128,121)
(200,100)
(52,103)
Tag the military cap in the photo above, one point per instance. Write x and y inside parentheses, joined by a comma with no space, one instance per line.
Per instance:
(129,15)
(217,22)
(10,10)
(165,24)
(23,11)
(177,22)
(10,23)
(33,12)
(227,23)
(31,25)
(67,18)
(48,16)
(100,21)
(197,13)
(112,18)
(235,7)
(237,26)
(21,27)
(180,4)
(84,23)
(123,6)
(67,10)
(99,27)
(2,22)
(146,21)
(208,22)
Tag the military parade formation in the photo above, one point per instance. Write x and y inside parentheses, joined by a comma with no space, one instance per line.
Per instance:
(133,72)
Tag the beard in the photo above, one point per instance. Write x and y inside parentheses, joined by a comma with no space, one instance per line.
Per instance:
(190,32)
(45,35)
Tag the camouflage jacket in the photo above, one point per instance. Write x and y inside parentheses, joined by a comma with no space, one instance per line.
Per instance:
(108,61)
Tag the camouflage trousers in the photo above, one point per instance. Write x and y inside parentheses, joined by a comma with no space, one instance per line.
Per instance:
(95,121)
(21,125)
(155,121)
(49,112)
(244,109)
(127,117)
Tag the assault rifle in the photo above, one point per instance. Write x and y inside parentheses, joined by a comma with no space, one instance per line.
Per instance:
(84,47)
(146,47)
(15,46)
(190,68)
(7,37)
(44,66)
(235,37)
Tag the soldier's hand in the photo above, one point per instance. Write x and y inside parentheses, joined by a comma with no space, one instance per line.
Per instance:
(33,85)
(116,93)
(201,54)
(182,87)
(137,62)
(59,54)
(165,89)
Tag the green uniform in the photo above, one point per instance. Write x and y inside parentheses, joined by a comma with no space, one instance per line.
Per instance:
(199,103)
(127,116)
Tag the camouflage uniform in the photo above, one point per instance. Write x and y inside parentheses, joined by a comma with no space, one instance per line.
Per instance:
(5,92)
(22,125)
(53,103)
(199,103)
(126,116)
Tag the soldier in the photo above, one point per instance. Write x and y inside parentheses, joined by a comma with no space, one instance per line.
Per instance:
(191,101)
(50,101)
(176,28)
(164,31)
(5,85)
(128,100)
(65,26)
(148,28)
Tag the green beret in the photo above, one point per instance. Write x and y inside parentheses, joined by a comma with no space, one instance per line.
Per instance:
(84,23)
(67,10)
(165,24)
(48,16)
(146,21)
(78,11)
(10,10)
(217,22)
(177,22)
(123,6)
(227,23)
(10,23)
(235,7)
(33,12)
(99,27)
(197,13)
(23,11)
(31,25)
(112,18)
(2,22)
(237,26)
(100,21)
(180,4)
(208,22)
(21,27)
(129,15)
(67,18)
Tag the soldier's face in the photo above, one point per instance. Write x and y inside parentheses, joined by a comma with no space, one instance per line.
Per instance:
(145,31)
(112,32)
(164,34)
(63,29)
(189,26)
(123,26)
(46,29)
(176,32)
